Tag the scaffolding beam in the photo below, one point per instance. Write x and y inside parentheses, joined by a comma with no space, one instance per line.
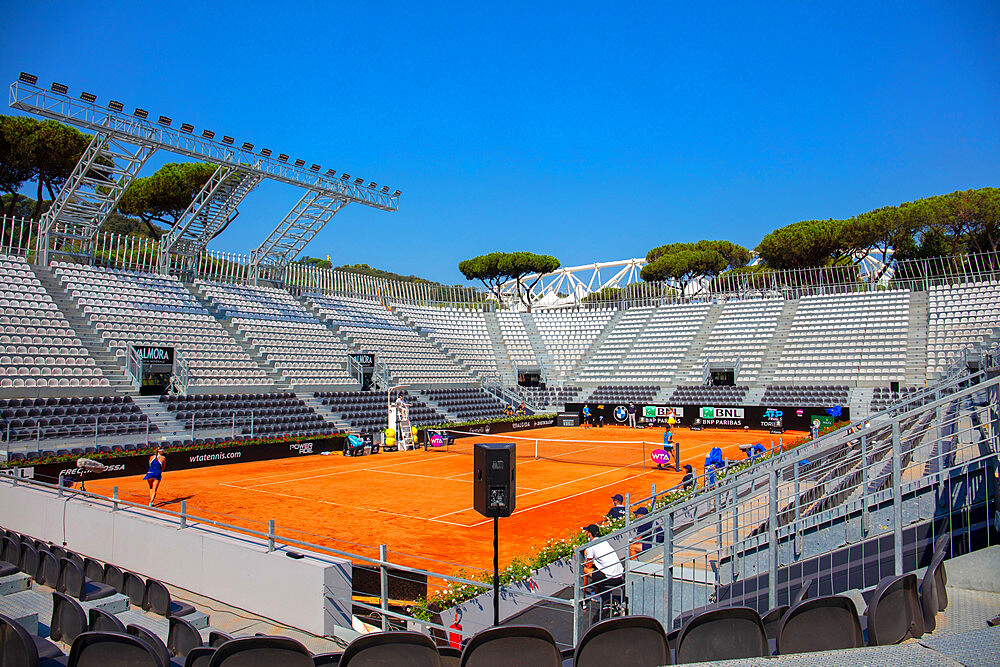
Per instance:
(212,208)
(309,215)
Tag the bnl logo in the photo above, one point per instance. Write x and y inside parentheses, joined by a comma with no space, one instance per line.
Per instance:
(620,413)
(773,414)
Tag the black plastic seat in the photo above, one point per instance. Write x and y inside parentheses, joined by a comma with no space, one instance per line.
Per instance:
(217,639)
(722,634)
(933,591)
(102,621)
(68,618)
(93,570)
(134,587)
(261,651)
(182,636)
(19,647)
(894,612)
(512,646)
(820,624)
(151,638)
(331,659)
(114,577)
(157,600)
(771,620)
(72,582)
(200,656)
(629,640)
(403,648)
(101,649)
(49,568)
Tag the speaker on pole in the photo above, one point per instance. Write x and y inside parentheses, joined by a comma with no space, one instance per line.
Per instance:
(493,496)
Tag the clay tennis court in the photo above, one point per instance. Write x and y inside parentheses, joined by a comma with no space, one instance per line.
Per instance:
(420,503)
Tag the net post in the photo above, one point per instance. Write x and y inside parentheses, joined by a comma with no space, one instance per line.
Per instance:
(536,448)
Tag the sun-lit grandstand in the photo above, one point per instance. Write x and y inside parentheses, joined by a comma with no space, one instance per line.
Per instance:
(319,427)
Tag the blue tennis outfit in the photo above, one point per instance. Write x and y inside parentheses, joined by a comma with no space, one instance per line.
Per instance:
(155,469)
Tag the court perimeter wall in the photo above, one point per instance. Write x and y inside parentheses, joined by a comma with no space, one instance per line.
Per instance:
(312,593)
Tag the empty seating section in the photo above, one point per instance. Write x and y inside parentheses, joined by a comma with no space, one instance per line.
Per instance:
(515,339)
(743,331)
(467,403)
(567,336)
(550,398)
(686,395)
(663,344)
(256,414)
(149,309)
(461,332)
(369,410)
(410,357)
(847,337)
(38,348)
(806,395)
(602,364)
(71,417)
(960,317)
(634,392)
(883,397)
(299,347)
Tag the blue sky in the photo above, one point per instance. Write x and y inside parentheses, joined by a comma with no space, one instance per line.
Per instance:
(588,131)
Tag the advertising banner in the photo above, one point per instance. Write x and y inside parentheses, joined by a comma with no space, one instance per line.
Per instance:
(757,417)
(491,428)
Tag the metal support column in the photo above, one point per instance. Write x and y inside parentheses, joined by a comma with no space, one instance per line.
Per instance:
(897,502)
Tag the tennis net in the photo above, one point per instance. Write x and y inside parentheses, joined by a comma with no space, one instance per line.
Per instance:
(608,453)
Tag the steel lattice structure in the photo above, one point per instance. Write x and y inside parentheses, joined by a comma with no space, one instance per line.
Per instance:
(122,144)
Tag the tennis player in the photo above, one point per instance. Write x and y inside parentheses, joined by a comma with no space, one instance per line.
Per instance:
(157,462)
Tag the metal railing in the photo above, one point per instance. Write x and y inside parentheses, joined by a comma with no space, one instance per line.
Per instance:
(847,509)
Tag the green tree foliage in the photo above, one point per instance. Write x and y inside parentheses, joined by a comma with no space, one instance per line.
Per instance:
(684,262)
(314,261)
(496,268)
(803,244)
(16,167)
(166,194)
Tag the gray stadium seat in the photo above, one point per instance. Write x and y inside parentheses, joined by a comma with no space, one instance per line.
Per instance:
(722,634)
(388,648)
(825,623)
(512,646)
(630,640)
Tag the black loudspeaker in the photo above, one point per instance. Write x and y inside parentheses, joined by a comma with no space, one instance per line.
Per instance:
(493,479)
(894,387)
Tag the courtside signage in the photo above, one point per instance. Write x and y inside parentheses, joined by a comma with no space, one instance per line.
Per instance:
(722,413)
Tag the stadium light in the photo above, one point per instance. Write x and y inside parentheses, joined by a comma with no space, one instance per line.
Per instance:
(315,167)
(331,172)
(24,77)
(283,157)
(187,127)
(163,120)
(247,146)
(266,152)
(385,189)
(227,140)
(300,163)
(141,113)
(89,98)
(60,88)
(345,177)
(115,105)
(208,134)
(372,185)
(396,193)
(359,181)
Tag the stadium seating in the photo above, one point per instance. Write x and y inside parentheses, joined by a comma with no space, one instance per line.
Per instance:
(960,317)
(38,347)
(152,309)
(461,332)
(743,331)
(658,351)
(466,403)
(602,363)
(847,338)
(550,398)
(621,393)
(806,395)
(883,397)
(567,336)
(254,413)
(515,339)
(706,394)
(299,347)
(369,410)
(411,358)
(71,417)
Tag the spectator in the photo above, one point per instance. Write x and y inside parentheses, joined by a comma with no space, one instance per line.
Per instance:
(585,415)
(631,414)
(688,482)
(522,410)
(647,534)
(617,510)
(509,410)
(602,569)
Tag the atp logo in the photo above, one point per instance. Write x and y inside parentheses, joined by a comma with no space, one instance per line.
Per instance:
(773,414)
(621,414)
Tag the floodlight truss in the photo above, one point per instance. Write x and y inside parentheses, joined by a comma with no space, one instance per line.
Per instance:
(92,191)
(309,215)
(210,210)
(118,129)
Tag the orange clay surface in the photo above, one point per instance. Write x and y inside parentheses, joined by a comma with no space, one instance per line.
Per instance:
(420,503)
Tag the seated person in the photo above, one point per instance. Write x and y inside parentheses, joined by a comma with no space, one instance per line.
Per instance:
(602,569)
(617,510)
(509,410)
(646,534)
(688,481)
(521,410)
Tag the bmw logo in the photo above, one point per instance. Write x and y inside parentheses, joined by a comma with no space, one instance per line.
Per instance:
(621,413)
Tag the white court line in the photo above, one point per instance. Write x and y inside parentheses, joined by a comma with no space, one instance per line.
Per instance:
(359,467)
(338,472)
(434,477)
(330,502)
